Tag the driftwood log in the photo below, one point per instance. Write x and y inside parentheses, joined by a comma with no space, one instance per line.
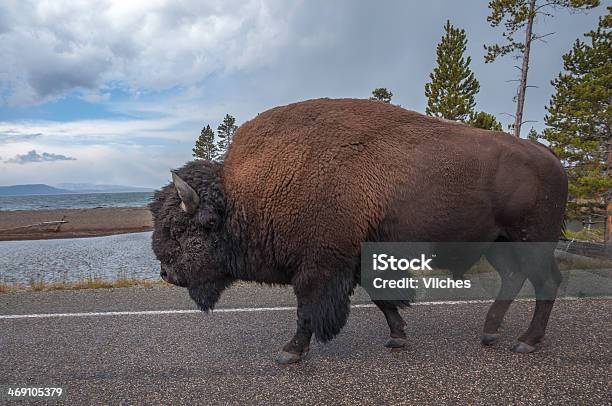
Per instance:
(43,226)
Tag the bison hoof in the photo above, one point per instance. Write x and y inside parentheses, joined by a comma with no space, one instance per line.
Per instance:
(522,348)
(286,358)
(395,342)
(489,339)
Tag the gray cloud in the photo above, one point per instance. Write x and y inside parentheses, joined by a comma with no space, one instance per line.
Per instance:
(65,74)
(51,49)
(34,156)
(14,136)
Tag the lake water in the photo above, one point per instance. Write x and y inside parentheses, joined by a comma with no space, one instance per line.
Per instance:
(77,259)
(75,201)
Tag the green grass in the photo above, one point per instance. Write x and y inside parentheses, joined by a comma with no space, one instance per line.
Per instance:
(589,263)
(6,288)
(592,235)
(90,283)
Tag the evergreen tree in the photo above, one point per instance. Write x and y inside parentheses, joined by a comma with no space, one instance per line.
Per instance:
(533,135)
(484,120)
(381,94)
(225,132)
(205,147)
(579,118)
(518,15)
(453,86)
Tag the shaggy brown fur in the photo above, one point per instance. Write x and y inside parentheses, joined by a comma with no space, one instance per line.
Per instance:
(304,185)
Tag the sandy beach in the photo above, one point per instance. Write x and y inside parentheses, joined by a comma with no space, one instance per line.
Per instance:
(70,223)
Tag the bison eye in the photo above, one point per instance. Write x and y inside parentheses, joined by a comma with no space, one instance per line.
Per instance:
(207,218)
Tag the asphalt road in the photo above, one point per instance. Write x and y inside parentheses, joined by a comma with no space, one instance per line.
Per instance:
(227,357)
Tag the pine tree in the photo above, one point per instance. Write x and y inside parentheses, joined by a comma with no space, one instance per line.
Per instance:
(205,147)
(225,132)
(381,94)
(579,118)
(517,15)
(484,120)
(453,86)
(533,135)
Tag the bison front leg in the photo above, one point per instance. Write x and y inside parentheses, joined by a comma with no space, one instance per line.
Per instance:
(298,347)
(323,308)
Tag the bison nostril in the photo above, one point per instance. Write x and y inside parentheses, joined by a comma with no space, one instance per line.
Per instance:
(163,274)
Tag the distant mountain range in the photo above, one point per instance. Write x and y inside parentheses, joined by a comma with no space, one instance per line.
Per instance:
(64,188)
(92,188)
(37,189)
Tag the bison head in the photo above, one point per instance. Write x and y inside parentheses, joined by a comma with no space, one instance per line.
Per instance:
(188,217)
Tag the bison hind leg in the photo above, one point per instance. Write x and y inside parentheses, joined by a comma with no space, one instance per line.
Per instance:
(395,321)
(533,261)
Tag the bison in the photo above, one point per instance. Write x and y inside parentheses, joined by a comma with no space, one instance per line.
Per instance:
(303,185)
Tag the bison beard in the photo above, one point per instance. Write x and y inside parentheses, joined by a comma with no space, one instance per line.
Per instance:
(207,295)
(303,185)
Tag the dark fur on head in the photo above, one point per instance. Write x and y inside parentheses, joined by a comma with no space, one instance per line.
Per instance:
(191,246)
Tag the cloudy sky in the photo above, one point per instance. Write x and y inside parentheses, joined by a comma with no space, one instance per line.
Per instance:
(117,91)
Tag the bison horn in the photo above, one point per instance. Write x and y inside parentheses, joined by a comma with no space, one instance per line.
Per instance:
(189,198)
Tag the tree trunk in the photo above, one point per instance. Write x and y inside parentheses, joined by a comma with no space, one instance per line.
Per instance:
(608,224)
(608,230)
(520,103)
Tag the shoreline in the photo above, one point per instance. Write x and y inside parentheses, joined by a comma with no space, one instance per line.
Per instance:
(73,223)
